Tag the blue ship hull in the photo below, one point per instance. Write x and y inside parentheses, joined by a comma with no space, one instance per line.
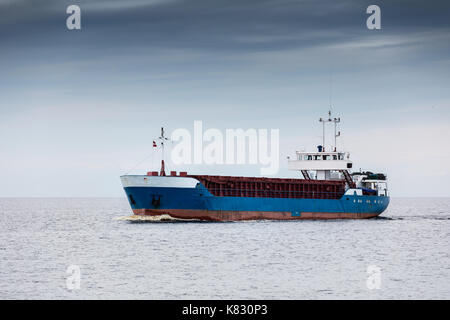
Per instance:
(199,203)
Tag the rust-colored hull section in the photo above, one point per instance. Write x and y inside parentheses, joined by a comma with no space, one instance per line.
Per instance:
(220,215)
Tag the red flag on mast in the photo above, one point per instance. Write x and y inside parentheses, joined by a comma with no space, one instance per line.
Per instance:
(154,144)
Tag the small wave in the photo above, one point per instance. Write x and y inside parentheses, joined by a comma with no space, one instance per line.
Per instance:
(158,218)
(386,218)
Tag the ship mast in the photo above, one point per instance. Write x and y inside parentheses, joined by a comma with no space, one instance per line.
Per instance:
(323,129)
(162,138)
(336,134)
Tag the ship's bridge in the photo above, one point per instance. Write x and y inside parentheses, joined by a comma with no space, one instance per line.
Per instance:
(323,163)
(320,161)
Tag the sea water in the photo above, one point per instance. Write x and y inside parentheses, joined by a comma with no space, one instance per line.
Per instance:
(83,248)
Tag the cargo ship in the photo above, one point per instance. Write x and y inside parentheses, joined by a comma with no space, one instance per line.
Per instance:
(326,189)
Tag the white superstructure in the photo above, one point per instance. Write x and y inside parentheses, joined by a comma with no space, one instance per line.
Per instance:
(323,163)
(336,165)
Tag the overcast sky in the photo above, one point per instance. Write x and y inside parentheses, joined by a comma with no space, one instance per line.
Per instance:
(80,108)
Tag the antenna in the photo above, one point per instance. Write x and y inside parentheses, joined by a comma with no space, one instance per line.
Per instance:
(162,138)
(331,87)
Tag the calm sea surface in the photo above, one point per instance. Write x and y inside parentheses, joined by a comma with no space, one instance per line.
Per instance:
(41,238)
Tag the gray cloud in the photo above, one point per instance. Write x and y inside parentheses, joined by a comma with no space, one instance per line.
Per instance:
(217,25)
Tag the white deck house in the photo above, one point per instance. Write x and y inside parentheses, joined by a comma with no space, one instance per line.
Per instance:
(325,164)
(321,162)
